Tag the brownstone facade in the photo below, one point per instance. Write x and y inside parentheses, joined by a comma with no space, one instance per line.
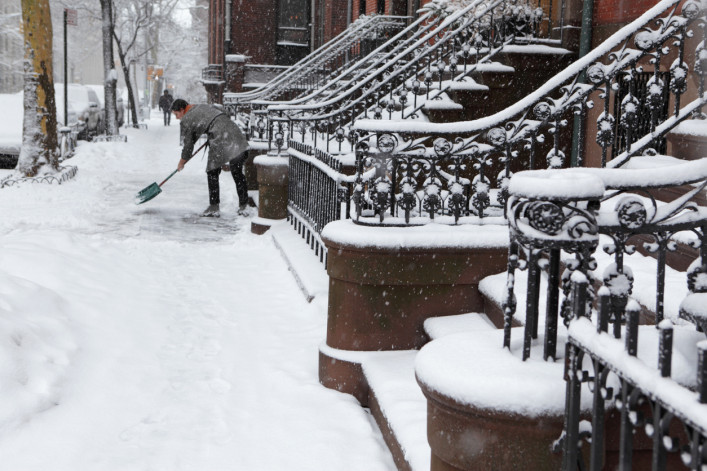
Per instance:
(267,34)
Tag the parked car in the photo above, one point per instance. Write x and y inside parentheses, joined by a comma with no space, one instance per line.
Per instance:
(84,101)
(11,125)
(119,103)
(10,129)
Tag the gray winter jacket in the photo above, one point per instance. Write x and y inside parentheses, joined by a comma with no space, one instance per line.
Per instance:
(226,141)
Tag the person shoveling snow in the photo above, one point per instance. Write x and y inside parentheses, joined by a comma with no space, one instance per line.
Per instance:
(227,146)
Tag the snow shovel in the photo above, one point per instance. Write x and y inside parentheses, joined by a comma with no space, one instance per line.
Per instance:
(152,190)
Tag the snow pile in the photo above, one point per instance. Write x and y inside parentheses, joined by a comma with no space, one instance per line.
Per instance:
(473,368)
(446,8)
(692,127)
(465,236)
(36,347)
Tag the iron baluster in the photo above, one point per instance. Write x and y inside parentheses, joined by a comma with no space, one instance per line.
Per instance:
(509,301)
(531,314)
(553,293)
(597,450)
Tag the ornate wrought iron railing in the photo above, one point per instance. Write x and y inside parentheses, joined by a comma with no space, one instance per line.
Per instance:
(262,127)
(317,193)
(356,71)
(671,415)
(412,173)
(423,72)
(317,68)
(567,210)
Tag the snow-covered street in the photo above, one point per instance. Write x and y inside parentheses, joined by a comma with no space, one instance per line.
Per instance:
(149,338)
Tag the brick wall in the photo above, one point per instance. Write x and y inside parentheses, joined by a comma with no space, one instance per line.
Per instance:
(335,18)
(254,30)
(216,31)
(619,11)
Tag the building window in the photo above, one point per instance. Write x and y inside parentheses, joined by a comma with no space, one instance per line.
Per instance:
(293,23)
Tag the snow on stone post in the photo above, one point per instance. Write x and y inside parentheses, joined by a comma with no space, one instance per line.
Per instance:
(39,139)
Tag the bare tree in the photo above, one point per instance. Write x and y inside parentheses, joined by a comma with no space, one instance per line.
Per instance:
(39,139)
(183,53)
(139,23)
(131,20)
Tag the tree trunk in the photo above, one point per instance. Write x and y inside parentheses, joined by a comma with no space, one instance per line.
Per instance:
(128,84)
(39,140)
(109,73)
(131,96)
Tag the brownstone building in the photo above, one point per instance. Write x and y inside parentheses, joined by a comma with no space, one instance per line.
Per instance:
(279,32)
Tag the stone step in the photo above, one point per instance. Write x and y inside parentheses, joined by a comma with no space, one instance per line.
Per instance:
(391,391)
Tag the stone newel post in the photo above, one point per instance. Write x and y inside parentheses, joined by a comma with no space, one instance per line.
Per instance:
(272,170)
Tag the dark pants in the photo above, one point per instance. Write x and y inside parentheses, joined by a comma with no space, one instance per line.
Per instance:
(167,117)
(238,177)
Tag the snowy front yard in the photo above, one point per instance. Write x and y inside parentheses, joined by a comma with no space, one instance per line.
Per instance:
(148,338)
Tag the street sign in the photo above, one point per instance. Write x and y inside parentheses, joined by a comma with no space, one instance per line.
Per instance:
(71,17)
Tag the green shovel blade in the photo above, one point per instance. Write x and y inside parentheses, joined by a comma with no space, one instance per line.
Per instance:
(148,193)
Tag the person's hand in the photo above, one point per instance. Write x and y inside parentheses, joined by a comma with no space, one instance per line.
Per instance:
(180,165)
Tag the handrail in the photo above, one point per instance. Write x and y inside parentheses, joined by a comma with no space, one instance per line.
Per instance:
(571,72)
(394,60)
(397,41)
(310,63)
(621,205)
(352,31)
(400,87)
(461,159)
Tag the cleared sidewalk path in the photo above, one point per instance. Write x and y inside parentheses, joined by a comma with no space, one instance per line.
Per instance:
(147,338)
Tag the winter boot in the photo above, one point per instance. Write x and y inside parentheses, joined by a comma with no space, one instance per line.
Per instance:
(212,211)
(243,210)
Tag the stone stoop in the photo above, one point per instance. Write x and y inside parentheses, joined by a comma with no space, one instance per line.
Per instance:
(514,74)
(386,384)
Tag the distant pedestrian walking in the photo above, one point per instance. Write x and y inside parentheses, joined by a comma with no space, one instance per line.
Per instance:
(227,145)
(165,105)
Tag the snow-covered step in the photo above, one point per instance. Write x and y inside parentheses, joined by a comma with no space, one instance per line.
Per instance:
(399,407)
(305,266)
(438,327)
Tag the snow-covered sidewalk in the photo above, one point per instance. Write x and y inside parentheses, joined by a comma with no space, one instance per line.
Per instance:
(148,338)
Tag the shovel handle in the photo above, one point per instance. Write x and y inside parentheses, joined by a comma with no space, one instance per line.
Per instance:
(172,174)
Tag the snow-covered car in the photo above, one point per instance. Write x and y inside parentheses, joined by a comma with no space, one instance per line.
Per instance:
(84,101)
(10,128)
(11,124)
(119,103)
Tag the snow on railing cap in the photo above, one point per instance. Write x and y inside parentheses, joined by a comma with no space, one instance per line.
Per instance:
(236,58)
(579,277)
(665,324)
(556,185)
(632,305)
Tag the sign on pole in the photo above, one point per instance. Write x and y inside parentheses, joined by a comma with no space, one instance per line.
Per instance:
(71,17)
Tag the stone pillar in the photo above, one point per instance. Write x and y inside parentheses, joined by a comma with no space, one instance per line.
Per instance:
(384,282)
(272,170)
(235,72)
